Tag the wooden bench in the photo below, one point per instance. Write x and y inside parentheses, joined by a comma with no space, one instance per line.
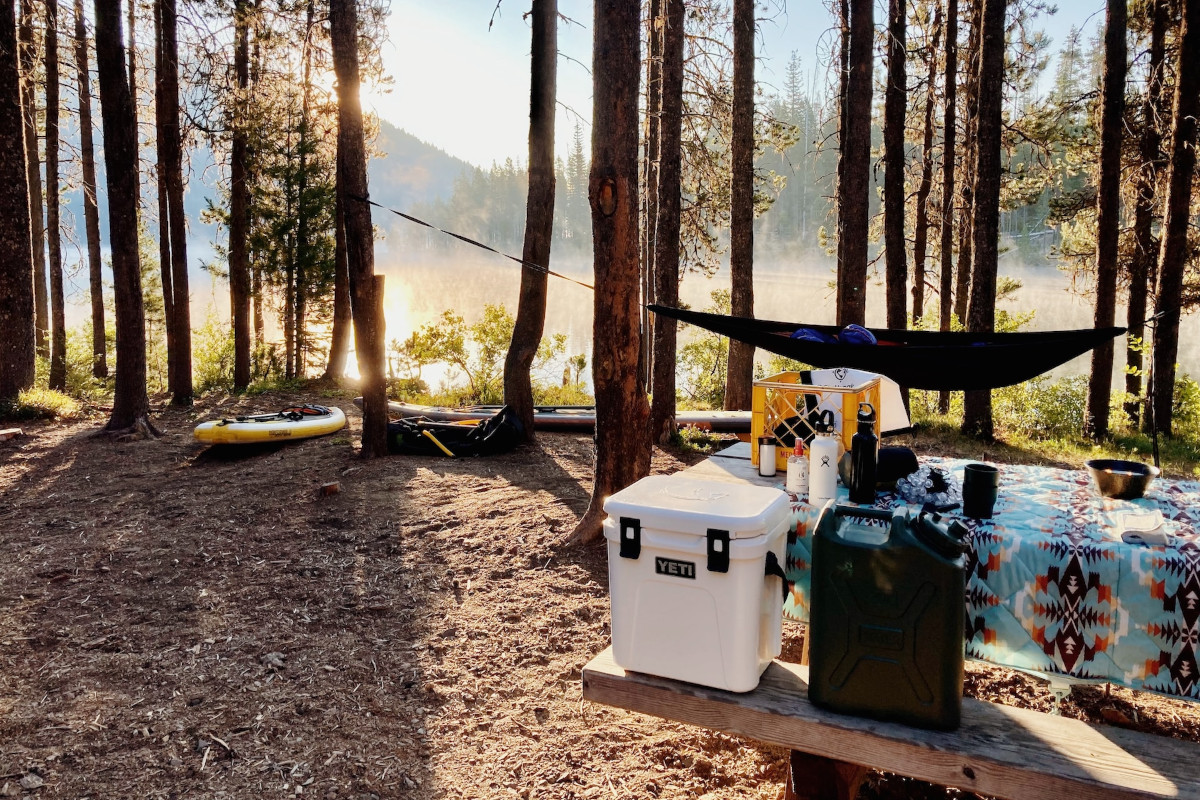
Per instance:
(999,750)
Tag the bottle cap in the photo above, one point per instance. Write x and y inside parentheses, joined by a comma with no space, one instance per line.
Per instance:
(799,449)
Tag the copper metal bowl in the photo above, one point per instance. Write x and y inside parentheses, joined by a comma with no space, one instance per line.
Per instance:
(1124,480)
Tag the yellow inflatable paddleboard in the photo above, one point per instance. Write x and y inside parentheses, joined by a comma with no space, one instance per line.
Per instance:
(295,422)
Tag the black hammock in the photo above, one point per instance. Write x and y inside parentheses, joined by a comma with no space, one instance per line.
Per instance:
(942,361)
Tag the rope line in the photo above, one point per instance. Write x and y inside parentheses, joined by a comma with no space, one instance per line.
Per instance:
(468,240)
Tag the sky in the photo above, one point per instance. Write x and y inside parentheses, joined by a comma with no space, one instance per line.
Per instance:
(465,88)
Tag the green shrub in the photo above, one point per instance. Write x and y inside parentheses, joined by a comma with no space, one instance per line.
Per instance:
(40,403)
(703,362)
(212,355)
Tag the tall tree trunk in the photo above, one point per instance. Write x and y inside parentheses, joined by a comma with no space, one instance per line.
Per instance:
(1172,257)
(854,194)
(91,212)
(239,205)
(977,406)
(253,256)
(171,152)
(339,339)
(130,404)
(33,179)
(303,211)
(131,21)
(17,345)
(1142,263)
(652,146)
(895,110)
(164,214)
(739,380)
(368,324)
(289,260)
(921,223)
(58,313)
(539,213)
(622,414)
(1108,217)
(842,127)
(949,131)
(966,241)
(666,239)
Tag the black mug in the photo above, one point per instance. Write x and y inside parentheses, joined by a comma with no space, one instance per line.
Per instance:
(981,484)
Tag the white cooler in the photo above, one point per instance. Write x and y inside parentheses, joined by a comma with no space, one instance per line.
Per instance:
(695,577)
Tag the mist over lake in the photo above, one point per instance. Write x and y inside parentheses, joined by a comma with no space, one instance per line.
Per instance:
(420,286)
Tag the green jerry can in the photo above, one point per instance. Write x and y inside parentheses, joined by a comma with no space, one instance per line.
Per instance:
(887,615)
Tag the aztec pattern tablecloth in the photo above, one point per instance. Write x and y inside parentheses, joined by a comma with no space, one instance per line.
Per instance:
(1053,588)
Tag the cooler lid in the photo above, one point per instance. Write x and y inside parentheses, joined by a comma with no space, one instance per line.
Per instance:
(690,505)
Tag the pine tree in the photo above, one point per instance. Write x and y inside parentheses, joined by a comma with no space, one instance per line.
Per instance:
(539,214)
(1108,212)
(91,211)
(130,403)
(16,258)
(740,377)
(622,447)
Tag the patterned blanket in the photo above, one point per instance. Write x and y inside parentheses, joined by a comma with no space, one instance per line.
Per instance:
(1052,587)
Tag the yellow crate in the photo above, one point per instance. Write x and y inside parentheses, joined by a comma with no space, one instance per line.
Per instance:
(787,408)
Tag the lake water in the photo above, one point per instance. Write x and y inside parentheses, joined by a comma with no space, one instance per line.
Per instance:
(421,286)
(418,290)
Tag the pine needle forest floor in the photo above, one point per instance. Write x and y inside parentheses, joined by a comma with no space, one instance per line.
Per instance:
(181,621)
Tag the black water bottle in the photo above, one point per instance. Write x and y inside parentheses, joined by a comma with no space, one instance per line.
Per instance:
(864,455)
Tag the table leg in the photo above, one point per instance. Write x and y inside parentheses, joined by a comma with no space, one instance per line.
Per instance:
(815,778)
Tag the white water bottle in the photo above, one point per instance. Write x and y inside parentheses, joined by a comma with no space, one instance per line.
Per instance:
(823,464)
(766,456)
(797,470)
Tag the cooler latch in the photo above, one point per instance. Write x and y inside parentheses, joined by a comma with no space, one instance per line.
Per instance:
(631,537)
(718,550)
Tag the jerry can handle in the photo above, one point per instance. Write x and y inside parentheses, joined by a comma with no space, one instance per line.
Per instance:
(774,568)
(858,511)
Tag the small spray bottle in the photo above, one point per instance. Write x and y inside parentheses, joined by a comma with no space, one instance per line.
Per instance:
(797,470)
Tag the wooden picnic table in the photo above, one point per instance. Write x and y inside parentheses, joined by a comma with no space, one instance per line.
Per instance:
(998,750)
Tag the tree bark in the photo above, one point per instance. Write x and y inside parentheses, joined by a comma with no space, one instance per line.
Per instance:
(739,379)
(1172,257)
(131,21)
(164,214)
(843,122)
(949,131)
(17,345)
(653,147)
(895,110)
(91,212)
(339,339)
(966,244)
(977,406)
(921,223)
(172,154)
(854,194)
(303,211)
(130,404)
(58,314)
(1108,217)
(239,201)
(539,213)
(368,325)
(1142,264)
(622,414)
(666,239)
(33,166)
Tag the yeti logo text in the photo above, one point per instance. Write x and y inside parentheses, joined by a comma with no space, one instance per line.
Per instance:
(680,569)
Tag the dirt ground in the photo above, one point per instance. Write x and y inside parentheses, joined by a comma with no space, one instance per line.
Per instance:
(182,621)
